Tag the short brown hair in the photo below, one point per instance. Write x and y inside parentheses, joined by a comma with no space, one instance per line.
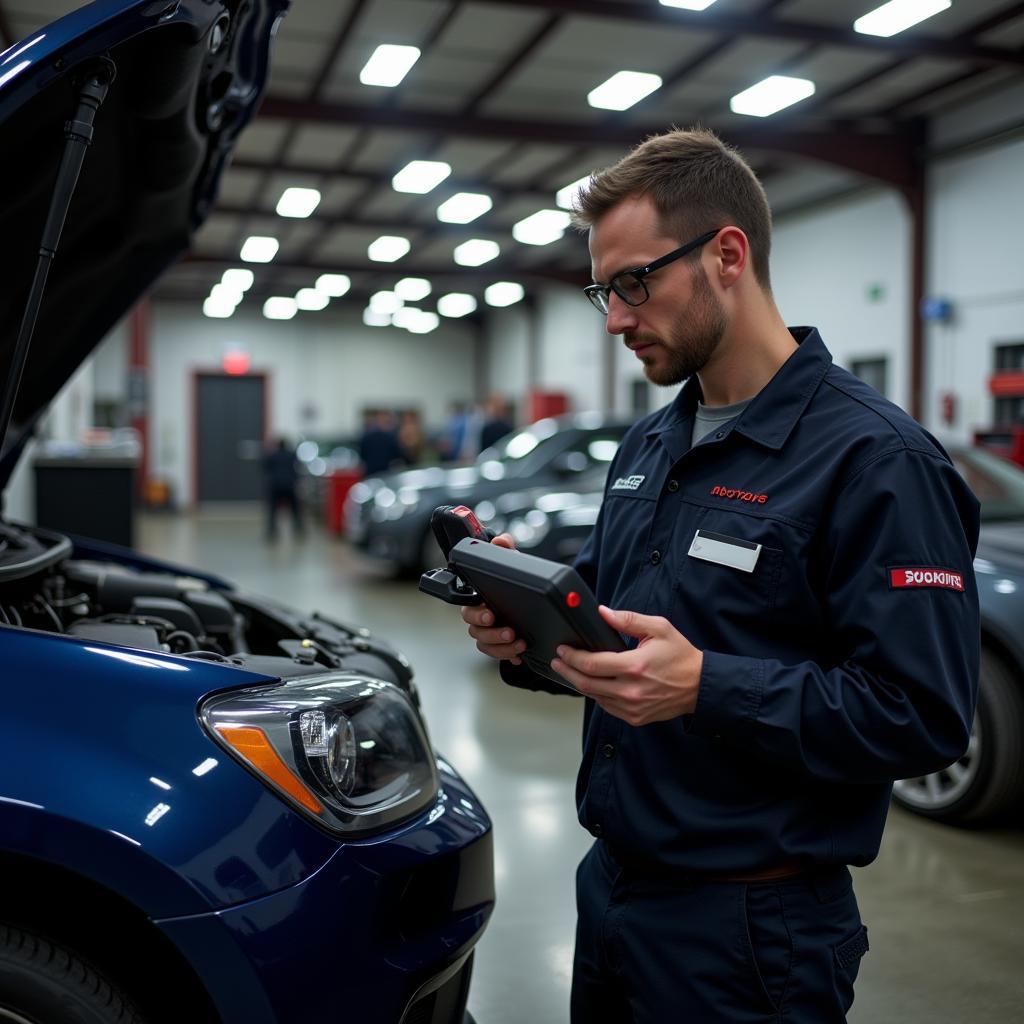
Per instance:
(697,183)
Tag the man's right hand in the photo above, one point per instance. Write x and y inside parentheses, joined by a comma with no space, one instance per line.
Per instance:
(495,640)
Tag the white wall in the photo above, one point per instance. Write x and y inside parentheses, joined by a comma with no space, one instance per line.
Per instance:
(321,372)
(507,337)
(824,263)
(976,223)
(572,339)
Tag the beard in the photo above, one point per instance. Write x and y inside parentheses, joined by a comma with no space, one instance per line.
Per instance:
(693,338)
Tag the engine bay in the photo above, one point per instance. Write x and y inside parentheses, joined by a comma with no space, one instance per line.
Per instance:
(43,586)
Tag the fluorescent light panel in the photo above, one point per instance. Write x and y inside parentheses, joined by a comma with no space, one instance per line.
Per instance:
(475,252)
(771,95)
(224,293)
(688,5)
(421,176)
(412,289)
(311,299)
(541,228)
(218,309)
(464,207)
(565,197)
(389,64)
(623,89)
(280,307)
(334,285)
(385,302)
(259,249)
(374,319)
(503,293)
(898,16)
(298,202)
(388,248)
(456,304)
(239,280)
(424,323)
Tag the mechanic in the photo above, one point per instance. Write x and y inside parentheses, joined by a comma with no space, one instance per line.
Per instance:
(790,557)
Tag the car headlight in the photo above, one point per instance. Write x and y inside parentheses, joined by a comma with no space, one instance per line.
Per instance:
(531,529)
(350,752)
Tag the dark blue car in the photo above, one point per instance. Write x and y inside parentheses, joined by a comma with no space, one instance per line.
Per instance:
(212,808)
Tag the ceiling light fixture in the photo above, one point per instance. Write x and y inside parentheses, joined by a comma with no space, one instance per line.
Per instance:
(623,89)
(475,252)
(566,197)
(421,176)
(224,293)
(280,307)
(333,285)
(771,95)
(424,323)
(374,319)
(388,248)
(503,293)
(219,309)
(311,299)
(239,280)
(385,302)
(898,15)
(389,64)
(298,202)
(412,289)
(542,227)
(688,5)
(456,304)
(259,249)
(464,207)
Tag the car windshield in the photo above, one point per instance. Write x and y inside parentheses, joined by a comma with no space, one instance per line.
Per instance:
(515,447)
(998,484)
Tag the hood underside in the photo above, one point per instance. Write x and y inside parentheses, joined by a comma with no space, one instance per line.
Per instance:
(189,74)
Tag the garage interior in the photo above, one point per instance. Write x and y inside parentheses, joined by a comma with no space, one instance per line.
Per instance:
(896,193)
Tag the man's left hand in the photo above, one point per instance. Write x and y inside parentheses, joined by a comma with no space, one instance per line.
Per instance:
(655,681)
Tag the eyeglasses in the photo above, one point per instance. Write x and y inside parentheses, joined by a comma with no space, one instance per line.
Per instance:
(630,285)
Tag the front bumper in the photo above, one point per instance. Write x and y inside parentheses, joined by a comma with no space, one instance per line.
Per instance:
(383,933)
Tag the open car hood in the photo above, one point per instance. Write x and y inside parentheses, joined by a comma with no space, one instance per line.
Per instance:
(190,74)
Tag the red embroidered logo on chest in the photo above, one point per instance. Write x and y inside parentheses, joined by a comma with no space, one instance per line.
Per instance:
(736,494)
(945,579)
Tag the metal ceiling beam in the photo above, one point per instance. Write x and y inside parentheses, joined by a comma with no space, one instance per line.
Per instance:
(765,26)
(452,185)
(493,271)
(882,155)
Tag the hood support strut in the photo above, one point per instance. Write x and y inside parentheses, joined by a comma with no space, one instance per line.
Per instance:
(78,135)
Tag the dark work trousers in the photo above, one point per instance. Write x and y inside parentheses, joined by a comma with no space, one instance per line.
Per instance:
(286,496)
(654,951)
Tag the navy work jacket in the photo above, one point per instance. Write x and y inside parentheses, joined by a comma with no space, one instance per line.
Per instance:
(848,655)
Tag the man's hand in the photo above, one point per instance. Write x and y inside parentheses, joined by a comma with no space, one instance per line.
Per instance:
(654,682)
(496,641)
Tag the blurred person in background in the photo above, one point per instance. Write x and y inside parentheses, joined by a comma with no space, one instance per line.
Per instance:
(379,449)
(497,421)
(411,438)
(281,470)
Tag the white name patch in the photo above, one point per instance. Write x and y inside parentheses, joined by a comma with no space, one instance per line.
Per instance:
(723,550)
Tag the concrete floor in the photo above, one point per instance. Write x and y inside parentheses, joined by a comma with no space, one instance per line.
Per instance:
(944,907)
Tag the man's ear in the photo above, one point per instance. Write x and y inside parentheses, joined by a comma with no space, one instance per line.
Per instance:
(731,251)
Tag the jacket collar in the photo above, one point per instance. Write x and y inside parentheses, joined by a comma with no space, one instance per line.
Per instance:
(775,409)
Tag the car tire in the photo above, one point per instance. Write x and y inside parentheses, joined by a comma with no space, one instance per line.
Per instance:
(42,982)
(989,779)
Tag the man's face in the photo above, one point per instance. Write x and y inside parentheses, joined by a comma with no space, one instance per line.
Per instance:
(677,330)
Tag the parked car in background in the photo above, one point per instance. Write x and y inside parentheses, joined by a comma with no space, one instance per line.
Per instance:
(214,809)
(988,781)
(388,516)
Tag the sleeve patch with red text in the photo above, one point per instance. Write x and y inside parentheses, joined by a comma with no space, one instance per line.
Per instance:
(945,579)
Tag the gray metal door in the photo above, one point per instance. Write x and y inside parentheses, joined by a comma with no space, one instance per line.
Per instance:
(229,438)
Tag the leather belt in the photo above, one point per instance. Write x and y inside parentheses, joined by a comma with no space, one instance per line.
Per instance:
(786,869)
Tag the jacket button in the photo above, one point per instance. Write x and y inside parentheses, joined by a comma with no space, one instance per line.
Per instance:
(673,486)
(608,750)
(720,435)
(596,830)
(655,557)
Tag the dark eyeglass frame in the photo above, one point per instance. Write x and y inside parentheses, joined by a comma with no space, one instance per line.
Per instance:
(600,293)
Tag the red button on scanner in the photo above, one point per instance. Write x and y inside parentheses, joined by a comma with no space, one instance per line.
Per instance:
(572,599)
